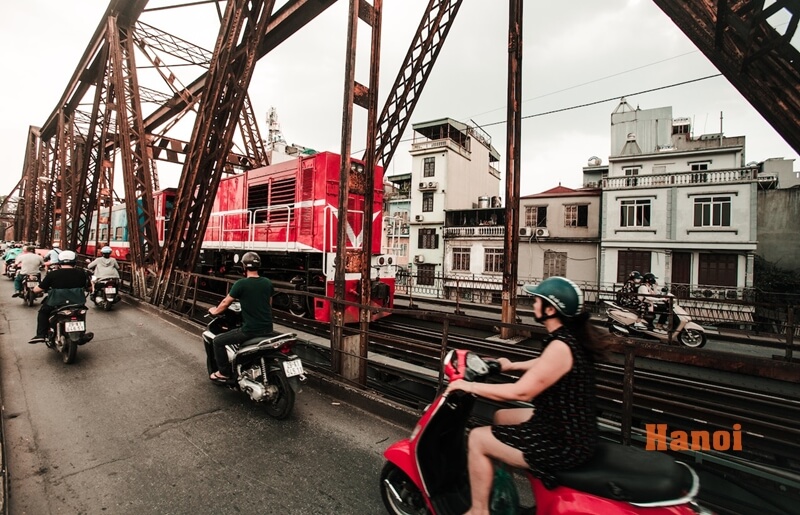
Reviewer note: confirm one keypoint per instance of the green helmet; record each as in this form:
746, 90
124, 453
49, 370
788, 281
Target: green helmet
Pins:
562, 293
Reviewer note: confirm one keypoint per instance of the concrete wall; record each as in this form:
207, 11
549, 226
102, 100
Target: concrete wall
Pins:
778, 228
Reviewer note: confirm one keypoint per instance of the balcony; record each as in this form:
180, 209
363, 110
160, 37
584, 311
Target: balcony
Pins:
734, 176
481, 231
437, 144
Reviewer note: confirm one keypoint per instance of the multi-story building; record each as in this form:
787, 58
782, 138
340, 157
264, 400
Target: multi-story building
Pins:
560, 235
679, 206
453, 166
397, 200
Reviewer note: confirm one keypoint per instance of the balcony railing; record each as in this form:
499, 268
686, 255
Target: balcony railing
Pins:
440, 143
481, 231
733, 176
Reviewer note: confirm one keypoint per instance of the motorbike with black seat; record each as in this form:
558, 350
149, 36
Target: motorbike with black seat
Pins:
106, 293
265, 368
68, 330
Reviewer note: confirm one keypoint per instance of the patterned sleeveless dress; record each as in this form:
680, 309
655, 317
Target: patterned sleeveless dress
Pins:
562, 433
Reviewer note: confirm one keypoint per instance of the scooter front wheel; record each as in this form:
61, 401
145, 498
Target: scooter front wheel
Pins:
400, 495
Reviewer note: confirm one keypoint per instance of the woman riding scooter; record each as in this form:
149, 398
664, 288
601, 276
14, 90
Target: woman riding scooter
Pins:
563, 432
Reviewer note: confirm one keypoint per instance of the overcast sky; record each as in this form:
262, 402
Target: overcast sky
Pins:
577, 54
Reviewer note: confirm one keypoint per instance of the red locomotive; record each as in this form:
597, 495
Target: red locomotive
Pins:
288, 214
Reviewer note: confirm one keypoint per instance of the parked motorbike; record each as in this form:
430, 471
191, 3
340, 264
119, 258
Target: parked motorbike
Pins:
68, 331
265, 368
625, 322
106, 293
426, 473
28, 284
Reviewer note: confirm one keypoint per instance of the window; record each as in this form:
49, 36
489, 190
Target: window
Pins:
91, 235
536, 216
428, 239
699, 166
119, 233
630, 260
555, 264
429, 167
576, 215
634, 213
426, 275
718, 269
712, 212
427, 202
461, 259
104, 234
401, 249
631, 172
493, 260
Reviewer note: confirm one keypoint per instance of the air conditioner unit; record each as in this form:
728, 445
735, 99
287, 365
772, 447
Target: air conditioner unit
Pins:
419, 218
525, 231
422, 185
431, 185
542, 232
419, 258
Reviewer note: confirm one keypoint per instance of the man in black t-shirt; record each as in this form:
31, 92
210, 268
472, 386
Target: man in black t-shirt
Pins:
64, 286
254, 293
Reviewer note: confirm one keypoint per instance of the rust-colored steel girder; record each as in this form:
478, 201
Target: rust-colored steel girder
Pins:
27, 208
221, 104
285, 22
93, 166
417, 65
513, 167
349, 356
136, 166
152, 41
761, 63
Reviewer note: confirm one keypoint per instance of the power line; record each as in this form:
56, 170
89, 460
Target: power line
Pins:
616, 97
579, 106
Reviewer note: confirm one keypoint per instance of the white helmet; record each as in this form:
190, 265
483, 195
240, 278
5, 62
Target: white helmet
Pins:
67, 257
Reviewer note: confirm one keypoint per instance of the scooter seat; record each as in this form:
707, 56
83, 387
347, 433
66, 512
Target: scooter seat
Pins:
629, 474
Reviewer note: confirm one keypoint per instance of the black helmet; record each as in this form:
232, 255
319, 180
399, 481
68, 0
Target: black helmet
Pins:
251, 261
649, 277
635, 275
562, 293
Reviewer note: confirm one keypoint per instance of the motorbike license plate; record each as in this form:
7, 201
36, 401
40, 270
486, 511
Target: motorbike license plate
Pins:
293, 368
73, 327
111, 290
32, 284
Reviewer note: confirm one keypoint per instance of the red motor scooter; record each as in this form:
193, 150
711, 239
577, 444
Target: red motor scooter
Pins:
427, 472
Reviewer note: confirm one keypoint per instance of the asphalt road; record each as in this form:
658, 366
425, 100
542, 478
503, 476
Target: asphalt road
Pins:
134, 426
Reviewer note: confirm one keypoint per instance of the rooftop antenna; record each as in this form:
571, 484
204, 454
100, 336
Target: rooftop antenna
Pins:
275, 134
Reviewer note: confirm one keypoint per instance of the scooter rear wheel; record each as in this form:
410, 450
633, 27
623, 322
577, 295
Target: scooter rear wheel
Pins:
395, 483
69, 350
282, 405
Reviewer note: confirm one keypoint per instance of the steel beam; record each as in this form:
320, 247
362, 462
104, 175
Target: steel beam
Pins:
136, 166
756, 59
417, 65
221, 104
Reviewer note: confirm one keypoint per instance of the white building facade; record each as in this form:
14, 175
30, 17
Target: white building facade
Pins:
683, 208
454, 166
